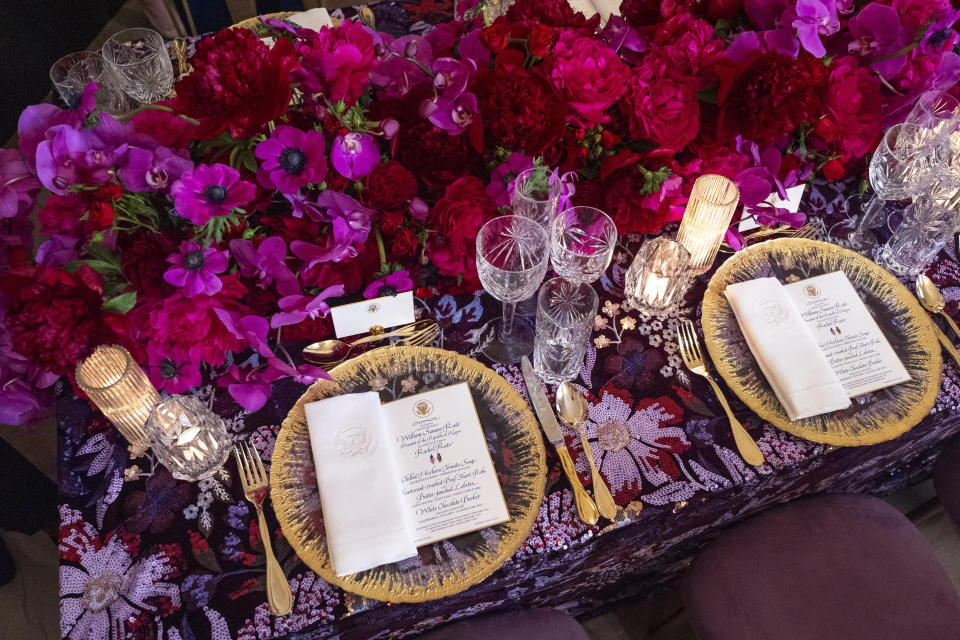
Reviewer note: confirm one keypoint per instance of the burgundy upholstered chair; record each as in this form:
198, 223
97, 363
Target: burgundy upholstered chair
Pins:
946, 479
525, 624
823, 568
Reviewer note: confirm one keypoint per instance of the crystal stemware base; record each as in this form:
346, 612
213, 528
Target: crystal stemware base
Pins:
507, 349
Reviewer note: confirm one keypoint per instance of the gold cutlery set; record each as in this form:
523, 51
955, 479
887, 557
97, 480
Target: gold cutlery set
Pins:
330, 353
932, 300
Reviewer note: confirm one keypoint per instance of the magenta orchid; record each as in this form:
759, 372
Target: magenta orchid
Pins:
291, 159
355, 155
249, 386
195, 269
266, 262
297, 308
251, 329
453, 115
210, 191
145, 170
18, 186
877, 35
70, 156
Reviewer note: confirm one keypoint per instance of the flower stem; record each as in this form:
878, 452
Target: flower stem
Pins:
157, 107
896, 54
381, 249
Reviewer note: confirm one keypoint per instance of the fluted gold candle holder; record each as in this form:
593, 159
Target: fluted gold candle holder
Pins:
712, 202
119, 388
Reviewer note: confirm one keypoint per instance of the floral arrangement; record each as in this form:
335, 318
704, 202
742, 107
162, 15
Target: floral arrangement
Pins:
347, 162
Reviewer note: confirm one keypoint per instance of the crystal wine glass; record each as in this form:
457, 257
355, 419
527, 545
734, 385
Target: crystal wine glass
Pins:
512, 258
925, 229
140, 59
583, 240
73, 72
937, 112
536, 195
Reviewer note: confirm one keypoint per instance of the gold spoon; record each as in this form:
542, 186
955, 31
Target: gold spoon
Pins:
932, 300
572, 409
328, 352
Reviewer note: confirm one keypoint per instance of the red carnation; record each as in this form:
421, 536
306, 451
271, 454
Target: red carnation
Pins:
390, 186
55, 318
237, 82
454, 222
520, 110
771, 96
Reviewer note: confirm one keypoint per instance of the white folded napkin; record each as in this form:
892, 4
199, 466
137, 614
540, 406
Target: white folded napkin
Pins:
313, 19
785, 349
364, 514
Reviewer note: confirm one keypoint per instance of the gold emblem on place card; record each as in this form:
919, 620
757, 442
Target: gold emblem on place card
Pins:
811, 291
373, 307
423, 408
354, 439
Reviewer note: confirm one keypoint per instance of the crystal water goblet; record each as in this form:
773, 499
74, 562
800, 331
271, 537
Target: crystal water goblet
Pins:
936, 112
512, 257
139, 58
536, 195
582, 243
925, 229
565, 316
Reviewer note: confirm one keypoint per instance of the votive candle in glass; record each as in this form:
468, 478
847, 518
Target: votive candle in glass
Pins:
188, 438
655, 281
712, 203
119, 388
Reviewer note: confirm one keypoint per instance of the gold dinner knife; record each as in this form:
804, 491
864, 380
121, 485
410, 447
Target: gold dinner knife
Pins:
947, 345
586, 507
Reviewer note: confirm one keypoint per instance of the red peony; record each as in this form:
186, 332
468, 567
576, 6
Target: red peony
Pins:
553, 13
434, 155
390, 186
916, 14
661, 104
853, 108
520, 110
61, 214
191, 326
588, 74
167, 128
771, 96
689, 43
237, 82
454, 223
337, 62
145, 259
55, 318
641, 13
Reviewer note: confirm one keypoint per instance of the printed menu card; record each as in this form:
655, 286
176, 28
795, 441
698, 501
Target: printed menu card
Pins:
447, 477
847, 334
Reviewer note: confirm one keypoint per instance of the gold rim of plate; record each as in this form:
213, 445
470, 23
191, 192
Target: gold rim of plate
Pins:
301, 519
887, 413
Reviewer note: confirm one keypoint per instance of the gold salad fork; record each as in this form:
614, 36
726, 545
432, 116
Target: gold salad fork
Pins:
255, 488
693, 358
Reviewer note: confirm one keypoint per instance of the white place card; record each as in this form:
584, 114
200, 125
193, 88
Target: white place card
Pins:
791, 204
446, 473
358, 317
847, 333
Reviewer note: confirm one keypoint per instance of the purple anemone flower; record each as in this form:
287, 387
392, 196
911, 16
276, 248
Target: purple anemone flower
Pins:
355, 155
876, 33
396, 282
297, 308
267, 263
940, 35
170, 372
18, 186
210, 191
453, 115
292, 159
195, 269
500, 188
146, 170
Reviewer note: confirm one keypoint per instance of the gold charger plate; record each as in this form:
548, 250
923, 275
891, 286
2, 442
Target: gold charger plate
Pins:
445, 567
874, 417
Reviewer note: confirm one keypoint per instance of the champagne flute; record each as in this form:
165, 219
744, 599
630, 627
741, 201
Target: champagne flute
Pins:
512, 256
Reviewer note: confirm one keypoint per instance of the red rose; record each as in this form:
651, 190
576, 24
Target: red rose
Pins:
55, 318
541, 39
455, 221
100, 215
495, 37
404, 245
237, 82
390, 186
771, 96
390, 222
834, 170
109, 192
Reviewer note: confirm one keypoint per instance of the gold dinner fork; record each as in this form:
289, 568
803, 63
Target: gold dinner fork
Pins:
693, 358
255, 488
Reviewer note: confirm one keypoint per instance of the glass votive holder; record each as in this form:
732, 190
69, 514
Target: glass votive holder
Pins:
708, 214
565, 317
655, 281
189, 439
120, 389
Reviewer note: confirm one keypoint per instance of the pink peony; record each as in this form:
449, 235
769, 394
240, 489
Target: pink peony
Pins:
690, 44
588, 74
661, 105
336, 62
853, 108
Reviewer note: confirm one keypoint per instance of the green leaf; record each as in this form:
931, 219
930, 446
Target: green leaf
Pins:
121, 303
103, 267
710, 95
